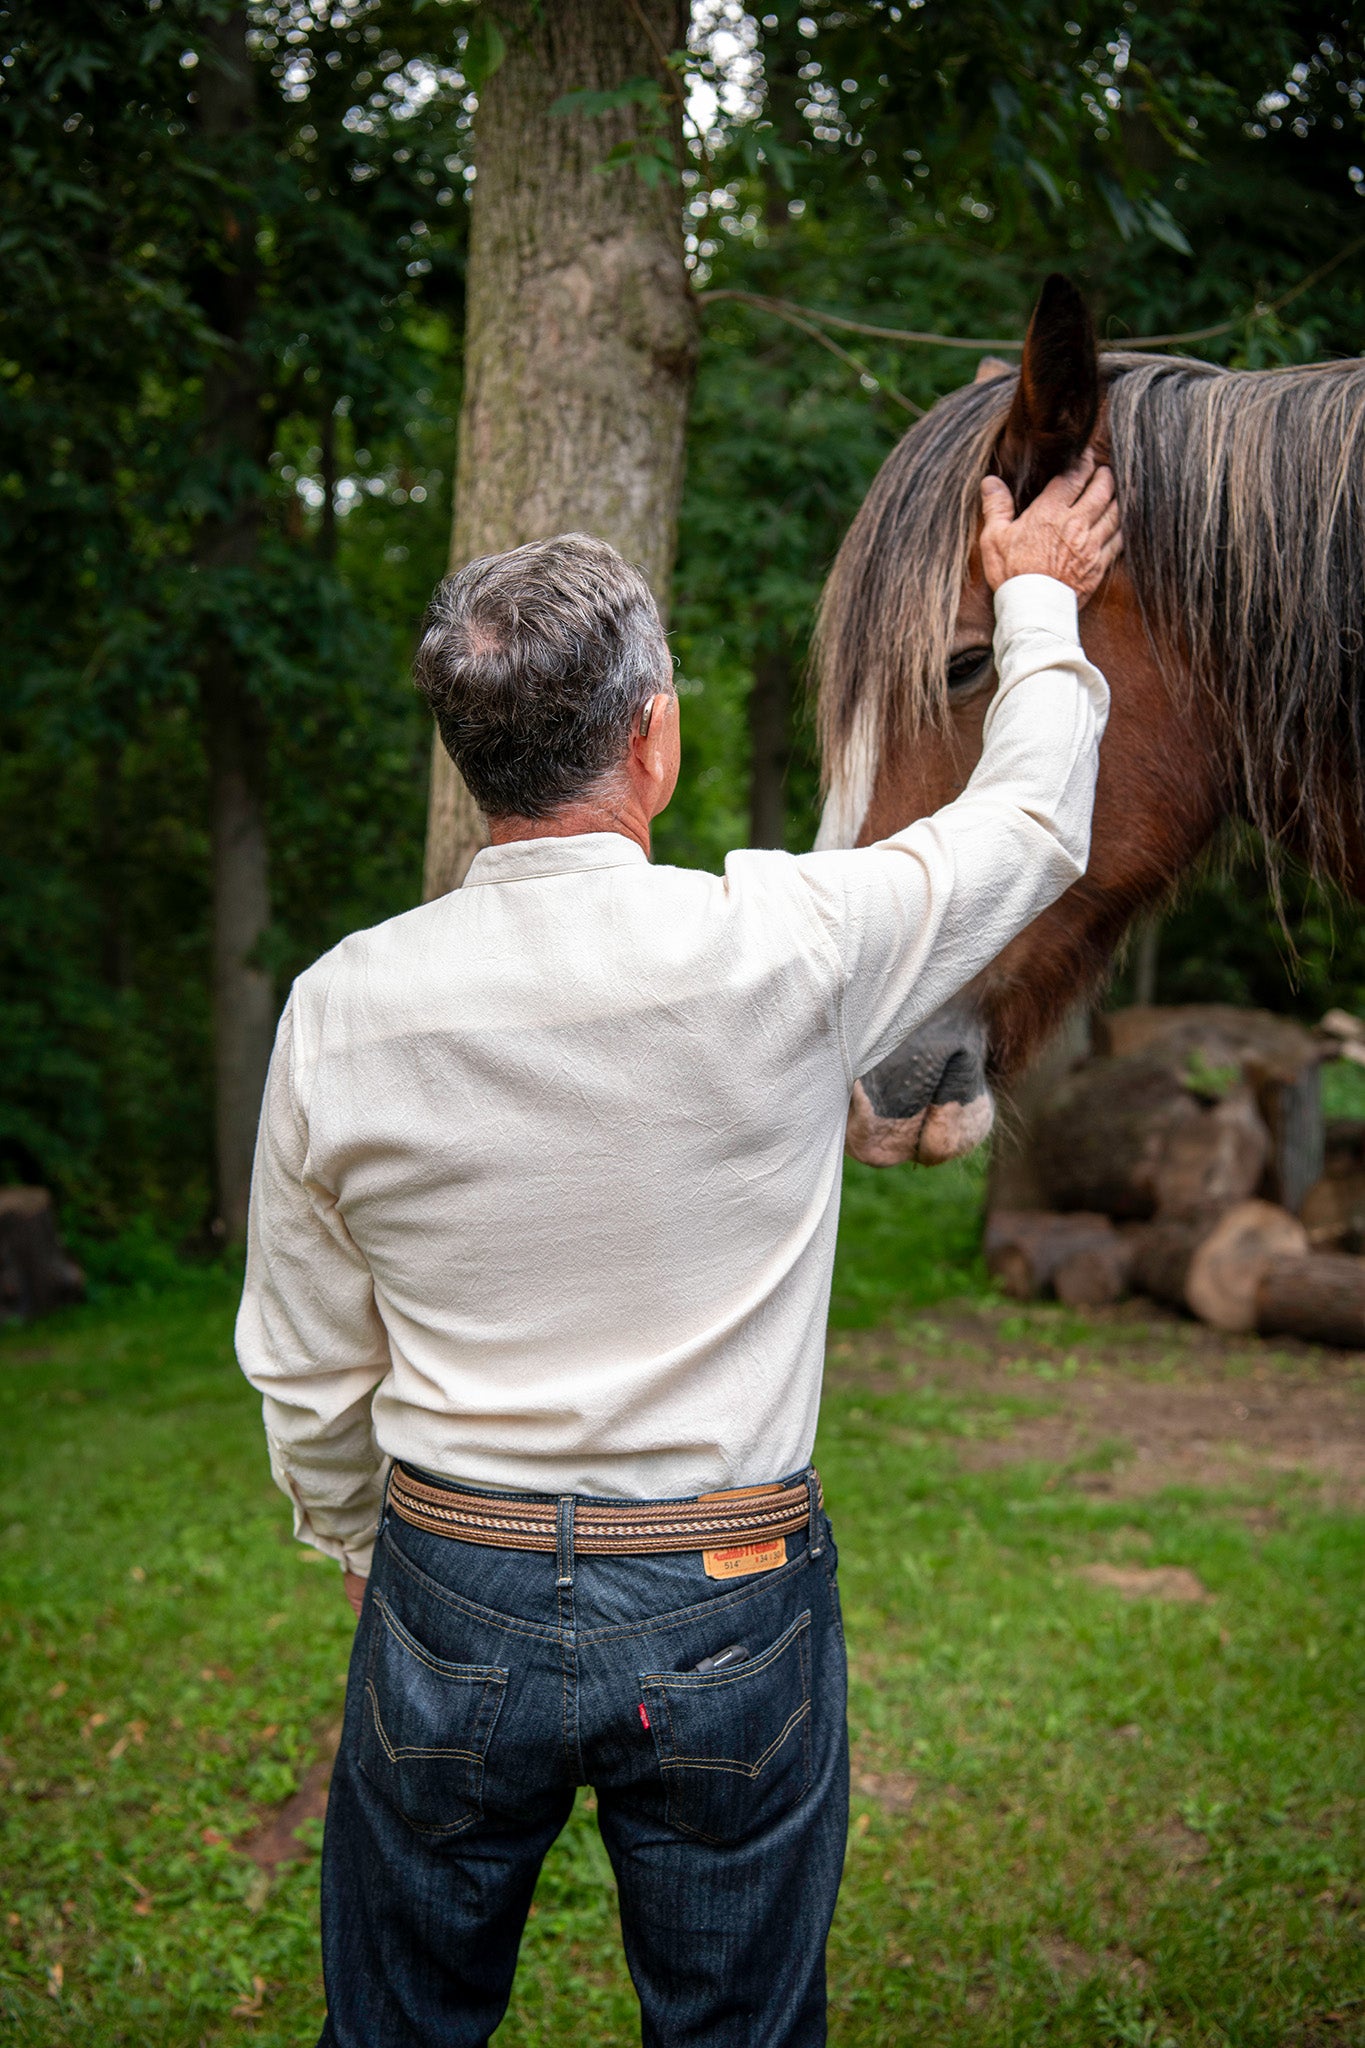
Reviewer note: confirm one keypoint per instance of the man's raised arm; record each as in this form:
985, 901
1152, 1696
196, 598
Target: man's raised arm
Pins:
916, 916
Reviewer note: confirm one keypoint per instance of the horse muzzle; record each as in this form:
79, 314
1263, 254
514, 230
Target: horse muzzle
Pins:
928, 1101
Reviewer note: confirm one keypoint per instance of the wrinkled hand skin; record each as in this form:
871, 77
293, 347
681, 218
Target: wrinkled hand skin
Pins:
1070, 531
355, 1591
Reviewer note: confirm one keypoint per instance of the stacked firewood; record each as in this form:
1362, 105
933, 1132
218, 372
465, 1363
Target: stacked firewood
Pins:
1187, 1160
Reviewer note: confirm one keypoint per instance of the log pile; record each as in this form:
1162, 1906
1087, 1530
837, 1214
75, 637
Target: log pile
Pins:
1187, 1160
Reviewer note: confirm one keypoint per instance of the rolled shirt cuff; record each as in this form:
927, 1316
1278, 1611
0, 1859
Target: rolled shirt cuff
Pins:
1035, 604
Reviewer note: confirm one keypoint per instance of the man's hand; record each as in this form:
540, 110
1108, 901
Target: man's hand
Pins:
355, 1591
1070, 531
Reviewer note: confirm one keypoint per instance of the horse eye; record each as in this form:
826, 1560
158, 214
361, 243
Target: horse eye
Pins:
967, 667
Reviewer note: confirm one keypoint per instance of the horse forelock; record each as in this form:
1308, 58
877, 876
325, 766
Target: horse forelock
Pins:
1243, 501
886, 617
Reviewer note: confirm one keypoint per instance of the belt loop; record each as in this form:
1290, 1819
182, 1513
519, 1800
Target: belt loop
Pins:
817, 1539
564, 1540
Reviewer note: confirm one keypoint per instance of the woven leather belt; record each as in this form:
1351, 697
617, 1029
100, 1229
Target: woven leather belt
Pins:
719, 1521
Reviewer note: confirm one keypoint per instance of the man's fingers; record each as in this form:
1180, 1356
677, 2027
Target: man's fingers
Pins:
1108, 521
1078, 477
1098, 492
997, 502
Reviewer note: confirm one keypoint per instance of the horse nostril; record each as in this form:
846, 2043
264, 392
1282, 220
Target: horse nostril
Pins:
961, 1079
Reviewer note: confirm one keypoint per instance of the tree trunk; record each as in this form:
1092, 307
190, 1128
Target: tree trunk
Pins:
770, 701
1320, 1296
36, 1274
243, 990
236, 443
580, 329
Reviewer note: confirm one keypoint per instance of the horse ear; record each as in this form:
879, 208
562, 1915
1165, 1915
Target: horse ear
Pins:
1057, 398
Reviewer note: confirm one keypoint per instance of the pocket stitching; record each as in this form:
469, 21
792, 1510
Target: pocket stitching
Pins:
402, 1750
704, 1681
664, 1687
493, 1680
733, 1764
491, 1674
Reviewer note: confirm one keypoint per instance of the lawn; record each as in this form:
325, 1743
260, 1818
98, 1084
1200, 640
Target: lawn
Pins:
1103, 1591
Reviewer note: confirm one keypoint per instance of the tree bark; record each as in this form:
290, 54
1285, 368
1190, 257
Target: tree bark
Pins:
1320, 1296
234, 448
580, 327
770, 702
36, 1275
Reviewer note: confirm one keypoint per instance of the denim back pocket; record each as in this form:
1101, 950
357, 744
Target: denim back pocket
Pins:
426, 1727
734, 1746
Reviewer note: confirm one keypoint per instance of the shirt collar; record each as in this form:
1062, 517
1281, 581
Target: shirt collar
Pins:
528, 860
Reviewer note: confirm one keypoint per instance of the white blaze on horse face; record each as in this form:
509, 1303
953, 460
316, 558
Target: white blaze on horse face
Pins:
850, 789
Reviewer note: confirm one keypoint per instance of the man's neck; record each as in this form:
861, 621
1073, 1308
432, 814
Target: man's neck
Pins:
615, 811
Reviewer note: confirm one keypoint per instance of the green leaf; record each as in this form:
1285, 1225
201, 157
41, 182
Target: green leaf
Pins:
590, 101
1167, 230
1043, 179
483, 51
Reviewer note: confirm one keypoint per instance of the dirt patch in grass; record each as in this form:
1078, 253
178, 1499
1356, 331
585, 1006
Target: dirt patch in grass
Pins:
891, 1791
1132, 1402
275, 1840
1137, 1582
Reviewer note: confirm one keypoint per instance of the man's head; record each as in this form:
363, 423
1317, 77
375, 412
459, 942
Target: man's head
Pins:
538, 666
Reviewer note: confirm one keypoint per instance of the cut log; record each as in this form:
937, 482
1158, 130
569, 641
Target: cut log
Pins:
1025, 1247
36, 1274
1217, 1158
1277, 1058
1333, 1213
1219, 1031
1343, 1146
1095, 1276
1225, 1271
1213, 1265
1129, 1137
1161, 1254
1320, 1296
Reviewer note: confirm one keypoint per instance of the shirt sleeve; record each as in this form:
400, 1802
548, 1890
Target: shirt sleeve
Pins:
916, 916
309, 1336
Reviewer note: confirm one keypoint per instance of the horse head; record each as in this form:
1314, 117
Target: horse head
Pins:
1197, 731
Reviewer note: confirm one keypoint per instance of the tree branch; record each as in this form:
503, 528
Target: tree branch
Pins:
801, 316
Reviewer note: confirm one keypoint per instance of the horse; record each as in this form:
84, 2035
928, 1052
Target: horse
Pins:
1231, 631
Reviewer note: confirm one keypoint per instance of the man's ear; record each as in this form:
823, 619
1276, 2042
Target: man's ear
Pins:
1057, 398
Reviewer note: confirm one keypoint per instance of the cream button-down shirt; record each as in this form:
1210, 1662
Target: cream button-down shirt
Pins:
547, 1180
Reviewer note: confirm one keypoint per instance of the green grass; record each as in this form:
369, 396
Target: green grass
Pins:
1130, 1824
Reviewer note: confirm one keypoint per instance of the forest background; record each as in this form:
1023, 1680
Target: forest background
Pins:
207, 305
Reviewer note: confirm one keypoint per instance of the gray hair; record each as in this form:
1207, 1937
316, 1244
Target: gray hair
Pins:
536, 664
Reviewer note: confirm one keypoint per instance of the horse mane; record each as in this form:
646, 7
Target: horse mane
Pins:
1243, 500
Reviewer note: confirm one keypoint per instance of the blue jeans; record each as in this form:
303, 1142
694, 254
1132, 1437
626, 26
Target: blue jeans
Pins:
482, 1693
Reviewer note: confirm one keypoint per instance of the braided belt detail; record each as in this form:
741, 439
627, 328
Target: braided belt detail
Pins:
720, 1523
